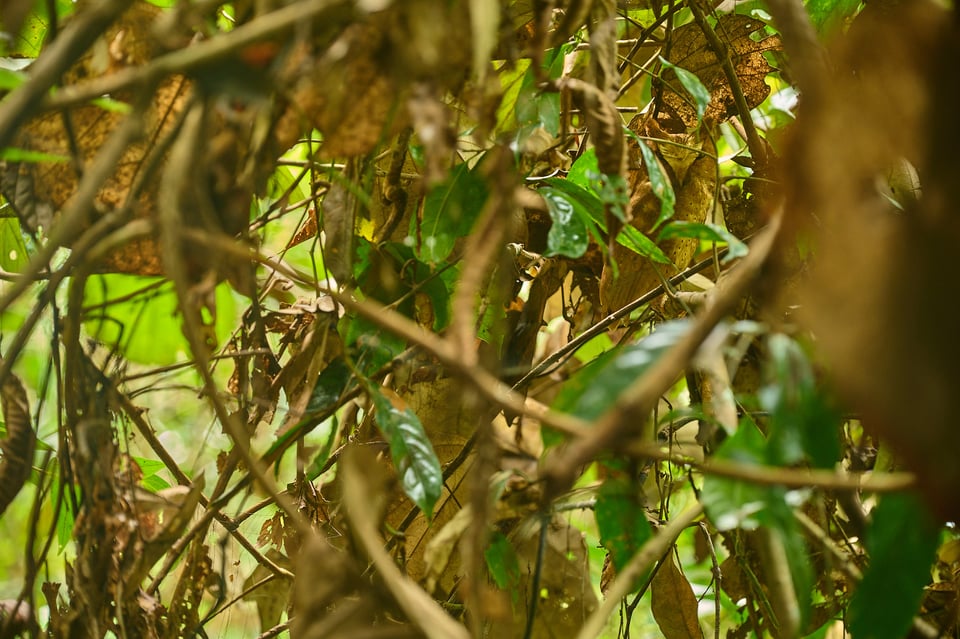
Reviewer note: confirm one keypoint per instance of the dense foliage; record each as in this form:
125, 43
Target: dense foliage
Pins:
506, 318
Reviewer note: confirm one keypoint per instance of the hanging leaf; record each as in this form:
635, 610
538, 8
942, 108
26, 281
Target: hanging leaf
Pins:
693, 85
568, 234
902, 542
595, 388
449, 212
673, 603
621, 520
502, 562
18, 446
659, 183
803, 422
705, 232
410, 449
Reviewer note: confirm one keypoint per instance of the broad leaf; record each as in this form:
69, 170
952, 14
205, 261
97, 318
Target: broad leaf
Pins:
659, 183
449, 212
621, 520
693, 85
901, 541
673, 603
804, 424
568, 233
502, 562
590, 209
595, 388
411, 450
705, 232
140, 315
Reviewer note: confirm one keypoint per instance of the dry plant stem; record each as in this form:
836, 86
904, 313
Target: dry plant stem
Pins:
637, 402
363, 504
777, 476
494, 390
757, 149
275, 23
70, 44
638, 564
170, 218
231, 525
779, 582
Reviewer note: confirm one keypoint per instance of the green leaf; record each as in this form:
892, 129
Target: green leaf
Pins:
149, 467
659, 182
111, 105
502, 562
154, 483
12, 154
693, 85
804, 424
11, 79
593, 389
449, 211
705, 232
419, 277
331, 384
13, 250
901, 542
829, 15
568, 234
584, 169
141, 316
733, 503
621, 520
589, 207
370, 346
410, 449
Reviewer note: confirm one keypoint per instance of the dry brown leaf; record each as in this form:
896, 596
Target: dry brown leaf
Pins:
691, 51
271, 598
673, 603
18, 446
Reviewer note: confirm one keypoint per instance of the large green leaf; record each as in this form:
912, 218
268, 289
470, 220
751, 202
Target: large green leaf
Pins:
621, 520
411, 450
502, 562
141, 316
732, 503
568, 232
13, 250
901, 542
589, 207
830, 15
449, 211
595, 388
804, 424
705, 232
